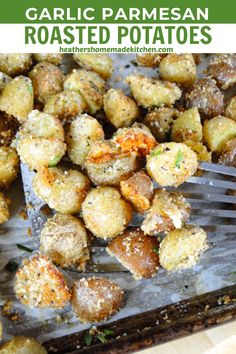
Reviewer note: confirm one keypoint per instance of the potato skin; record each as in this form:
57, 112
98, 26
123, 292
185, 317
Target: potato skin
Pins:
8, 129
171, 164
150, 92
222, 68
4, 80
96, 299
138, 189
65, 105
217, 131
64, 240
136, 252
63, 191
81, 133
106, 214
53, 58
230, 110
228, 154
178, 68
4, 210
120, 109
181, 248
206, 97
150, 60
100, 63
22, 345
47, 80
89, 85
187, 126
9, 166
17, 98
15, 63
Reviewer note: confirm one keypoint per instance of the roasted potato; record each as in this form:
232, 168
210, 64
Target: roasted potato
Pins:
151, 93
22, 345
100, 63
179, 68
138, 189
201, 151
4, 208
8, 128
150, 60
106, 214
171, 164
53, 58
89, 85
47, 80
81, 133
17, 98
181, 248
65, 105
15, 63
40, 140
64, 240
169, 211
39, 283
230, 110
96, 299
222, 68
159, 122
228, 154
107, 164
206, 97
217, 131
136, 252
4, 80
187, 126
120, 109
9, 166
63, 191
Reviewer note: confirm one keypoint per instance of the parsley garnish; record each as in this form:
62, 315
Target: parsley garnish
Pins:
179, 158
156, 153
24, 248
12, 266
156, 250
88, 339
54, 162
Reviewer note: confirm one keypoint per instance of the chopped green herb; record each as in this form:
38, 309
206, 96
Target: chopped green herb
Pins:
156, 250
88, 339
108, 332
30, 89
156, 153
24, 248
54, 162
179, 158
134, 62
102, 338
12, 266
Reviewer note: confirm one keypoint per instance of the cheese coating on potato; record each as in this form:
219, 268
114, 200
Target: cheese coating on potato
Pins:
228, 154
22, 345
182, 248
39, 283
100, 63
171, 164
96, 299
4, 208
106, 214
4, 80
150, 60
187, 126
53, 58
201, 151
15, 63
9, 166
230, 110
81, 133
222, 68
151, 92
169, 210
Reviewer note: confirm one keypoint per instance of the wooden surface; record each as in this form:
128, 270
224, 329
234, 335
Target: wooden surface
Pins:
220, 339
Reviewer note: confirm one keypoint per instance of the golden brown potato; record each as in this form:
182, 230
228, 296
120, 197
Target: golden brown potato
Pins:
47, 80
65, 105
138, 189
228, 154
8, 128
53, 58
82, 132
106, 214
9, 166
150, 60
187, 126
4, 210
4, 80
222, 68
40, 284
63, 191
89, 85
179, 68
201, 151
100, 63
159, 122
230, 110
171, 164
107, 164
96, 299
206, 97
64, 240
17, 98
217, 131
15, 63
22, 345
182, 248
120, 109
40, 141
151, 93
169, 211
137, 138
136, 252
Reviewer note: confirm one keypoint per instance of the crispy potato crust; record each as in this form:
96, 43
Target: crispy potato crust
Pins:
15, 63
222, 68
100, 63
4, 210
228, 155
22, 345
9, 166
53, 58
